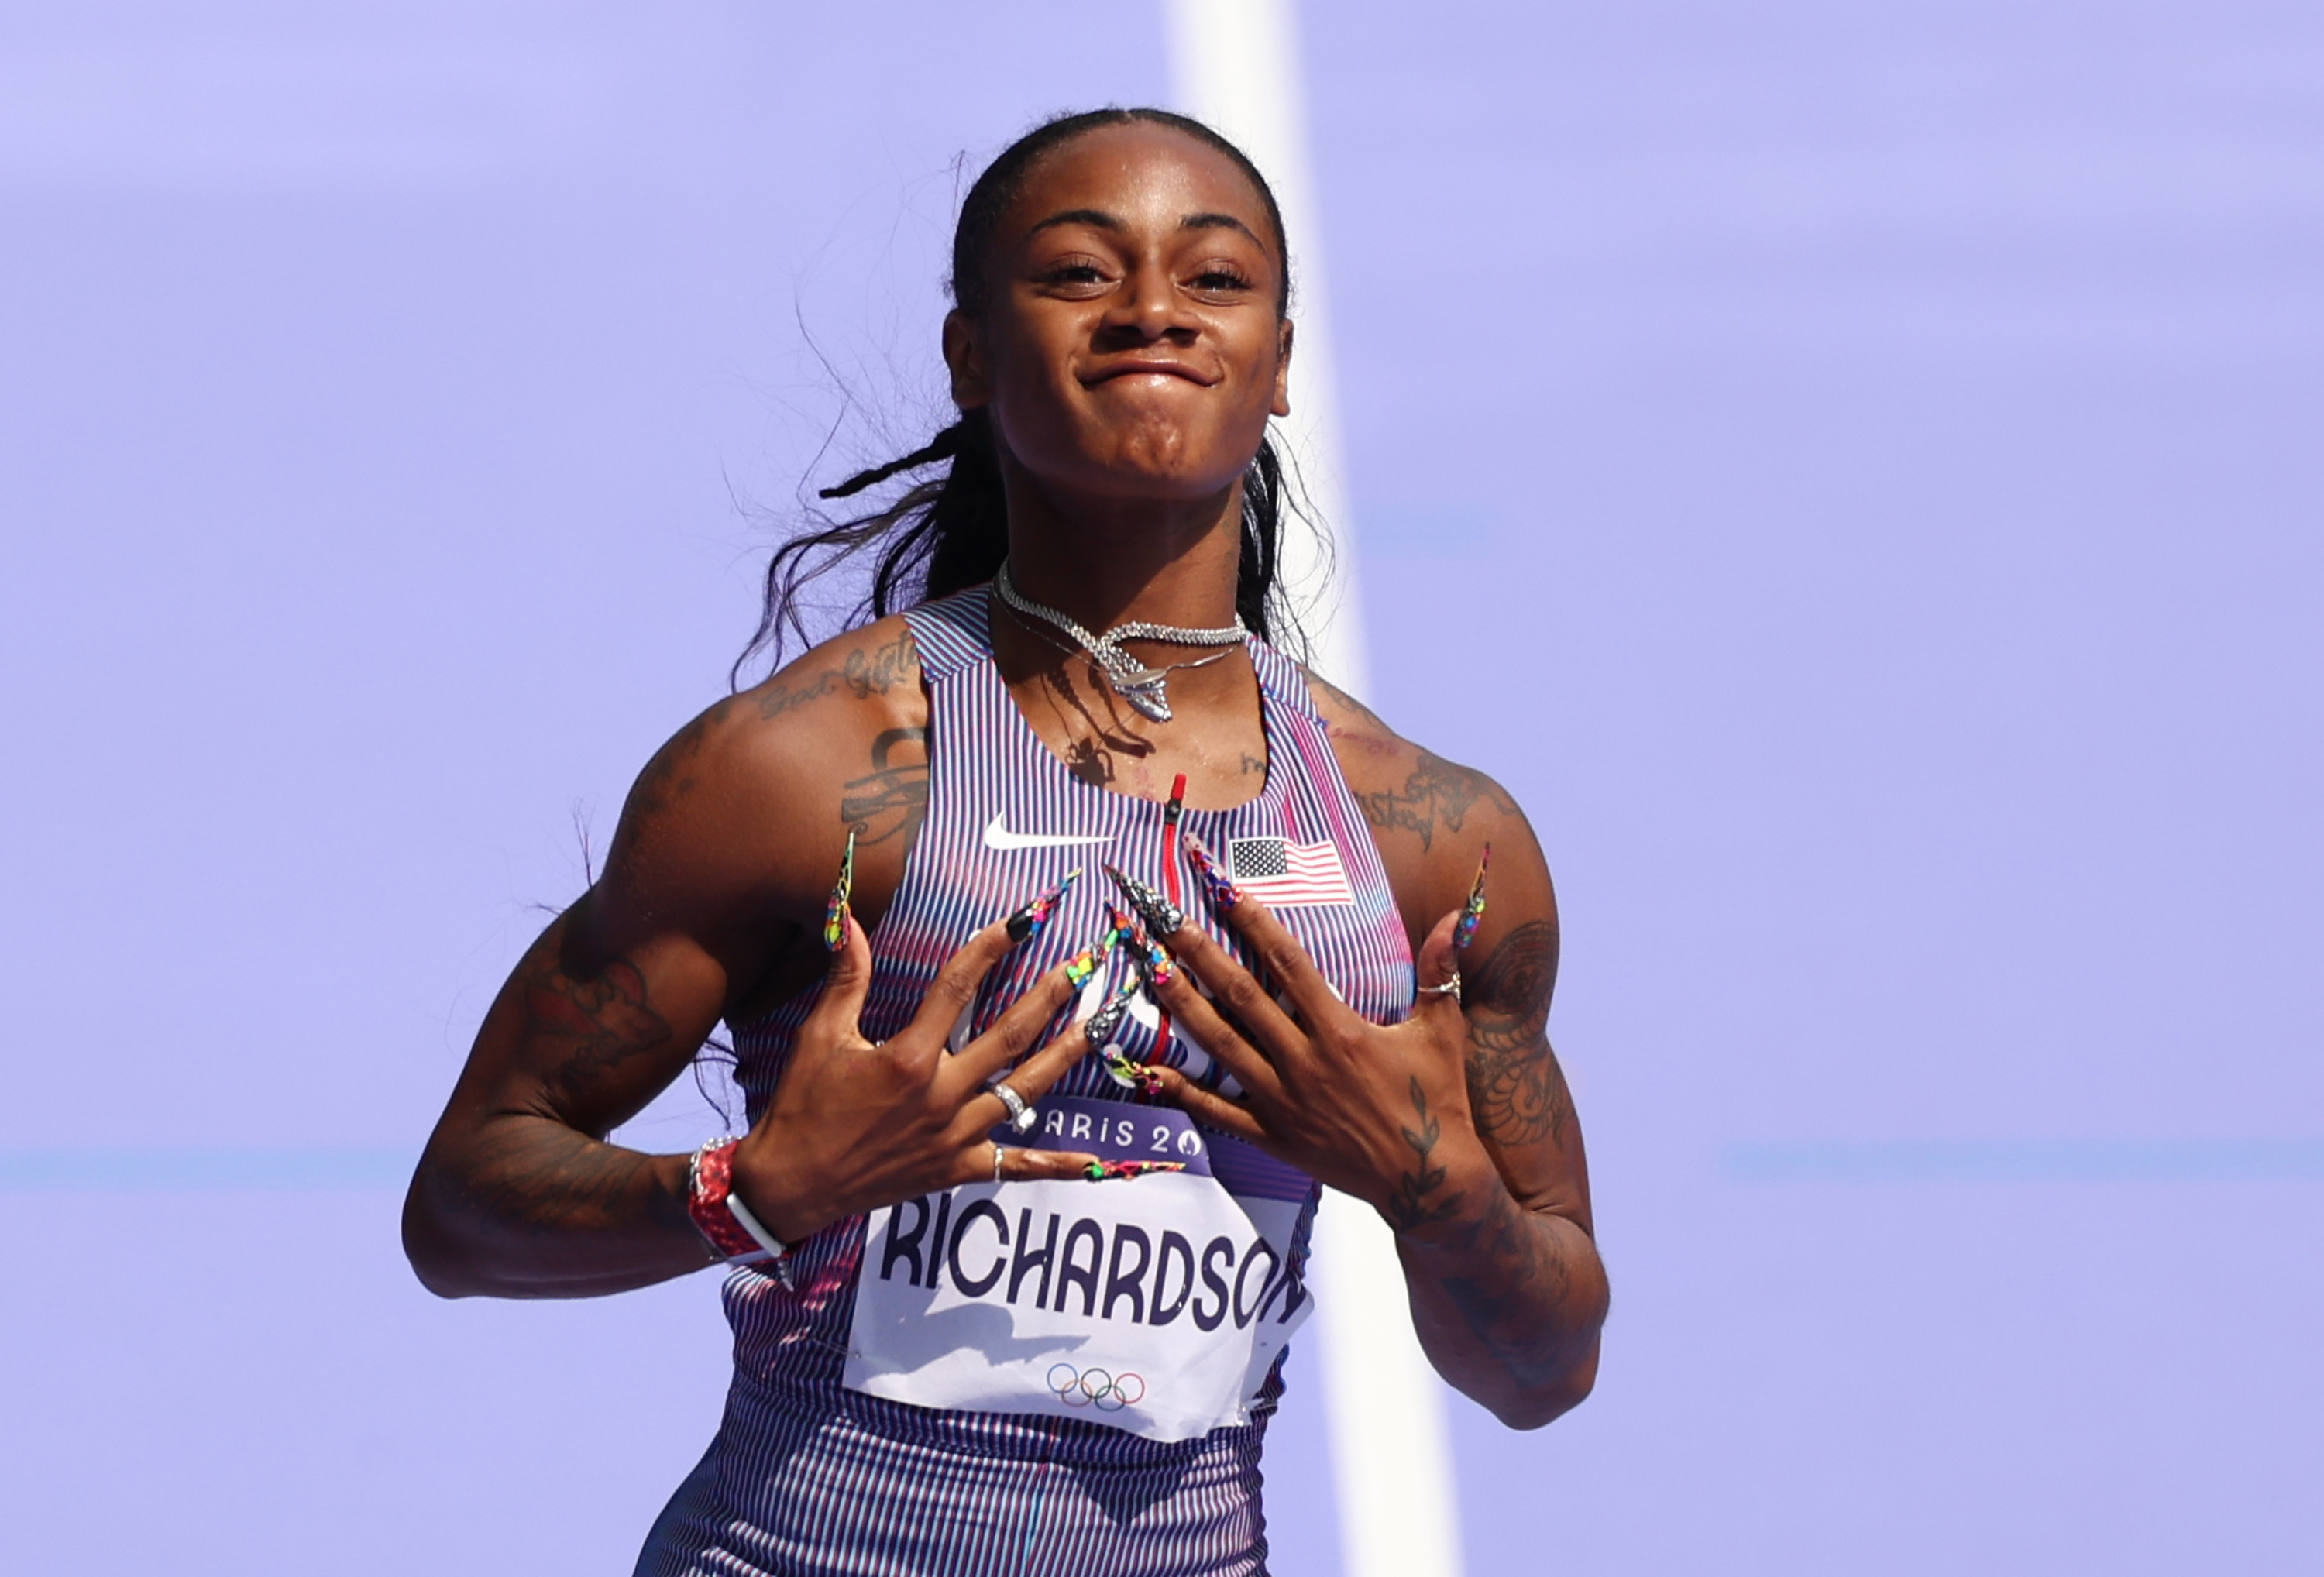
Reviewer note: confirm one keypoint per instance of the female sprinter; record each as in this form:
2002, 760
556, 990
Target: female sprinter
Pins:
1142, 933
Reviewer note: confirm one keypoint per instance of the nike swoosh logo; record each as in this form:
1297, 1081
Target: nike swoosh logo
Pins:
996, 837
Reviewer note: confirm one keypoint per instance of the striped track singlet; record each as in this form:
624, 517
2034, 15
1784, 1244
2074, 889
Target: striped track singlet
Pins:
808, 1479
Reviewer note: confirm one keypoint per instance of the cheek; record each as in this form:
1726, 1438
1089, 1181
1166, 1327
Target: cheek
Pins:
1029, 379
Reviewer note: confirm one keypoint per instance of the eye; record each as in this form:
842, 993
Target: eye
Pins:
1074, 276
1218, 279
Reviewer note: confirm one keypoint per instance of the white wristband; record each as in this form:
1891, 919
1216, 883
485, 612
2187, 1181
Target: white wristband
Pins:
778, 1253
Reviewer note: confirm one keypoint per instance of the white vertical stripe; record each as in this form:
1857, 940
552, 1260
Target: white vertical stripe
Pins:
1236, 65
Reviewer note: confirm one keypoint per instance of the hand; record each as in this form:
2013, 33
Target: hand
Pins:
855, 1126
1380, 1113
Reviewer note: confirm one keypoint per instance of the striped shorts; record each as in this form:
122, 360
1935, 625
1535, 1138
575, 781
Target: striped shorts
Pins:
836, 1484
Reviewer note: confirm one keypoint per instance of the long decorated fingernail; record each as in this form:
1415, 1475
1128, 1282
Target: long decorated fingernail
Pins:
1155, 963
1099, 1171
835, 913
1474, 909
1121, 927
1101, 1025
1028, 922
1083, 964
1224, 894
1133, 1075
1161, 915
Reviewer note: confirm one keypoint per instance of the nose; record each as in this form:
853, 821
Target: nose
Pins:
1147, 311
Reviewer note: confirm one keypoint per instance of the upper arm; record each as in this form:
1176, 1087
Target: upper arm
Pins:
613, 999
714, 880
1432, 820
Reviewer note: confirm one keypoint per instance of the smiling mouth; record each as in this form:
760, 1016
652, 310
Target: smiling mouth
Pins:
1133, 369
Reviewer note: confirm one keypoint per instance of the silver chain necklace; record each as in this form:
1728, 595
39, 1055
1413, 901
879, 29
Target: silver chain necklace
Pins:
1142, 686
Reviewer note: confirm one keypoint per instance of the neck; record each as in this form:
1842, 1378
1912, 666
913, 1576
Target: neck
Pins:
1106, 561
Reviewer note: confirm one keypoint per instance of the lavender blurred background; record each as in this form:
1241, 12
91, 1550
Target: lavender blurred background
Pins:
1839, 465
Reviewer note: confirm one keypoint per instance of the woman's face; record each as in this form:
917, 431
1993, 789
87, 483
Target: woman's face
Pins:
1131, 347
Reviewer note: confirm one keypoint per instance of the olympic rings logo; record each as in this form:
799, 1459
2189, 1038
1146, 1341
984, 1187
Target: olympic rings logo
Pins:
1095, 1388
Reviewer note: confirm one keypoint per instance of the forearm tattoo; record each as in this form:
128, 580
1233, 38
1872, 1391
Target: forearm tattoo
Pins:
547, 1167
535, 1175
1503, 1306
1416, 1201
1520, 1274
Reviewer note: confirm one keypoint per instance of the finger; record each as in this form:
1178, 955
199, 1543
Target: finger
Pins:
838, 1012
1437, 968
1286, 963
1032, 1078
1194, 1015
1018, 1165
1208, 1106
1236, 990
1008, 1037
954, 987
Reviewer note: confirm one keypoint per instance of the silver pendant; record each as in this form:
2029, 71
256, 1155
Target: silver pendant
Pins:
1144, 689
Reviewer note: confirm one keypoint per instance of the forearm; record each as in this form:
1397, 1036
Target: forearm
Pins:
1508, 1302
525, 1206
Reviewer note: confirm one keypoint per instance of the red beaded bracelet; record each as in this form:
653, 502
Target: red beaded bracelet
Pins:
723, 1219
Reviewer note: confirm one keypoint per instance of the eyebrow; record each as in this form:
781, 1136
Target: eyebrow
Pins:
1099, 219
1216, 221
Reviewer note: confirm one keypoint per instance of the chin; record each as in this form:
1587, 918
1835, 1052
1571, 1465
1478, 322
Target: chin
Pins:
1152, 455
1165, 459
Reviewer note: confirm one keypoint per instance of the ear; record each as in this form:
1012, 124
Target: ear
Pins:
963, 353
1282, 406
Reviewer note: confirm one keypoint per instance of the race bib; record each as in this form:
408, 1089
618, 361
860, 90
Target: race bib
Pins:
1156, 1304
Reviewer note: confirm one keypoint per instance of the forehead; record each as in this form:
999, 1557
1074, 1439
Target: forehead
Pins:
1143, 172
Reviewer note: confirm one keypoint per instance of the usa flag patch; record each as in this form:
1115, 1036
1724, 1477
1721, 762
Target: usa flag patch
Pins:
1278, 871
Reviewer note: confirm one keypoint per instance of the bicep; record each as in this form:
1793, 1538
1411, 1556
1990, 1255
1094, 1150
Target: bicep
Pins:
1517, 1093
614, 999
587, 1033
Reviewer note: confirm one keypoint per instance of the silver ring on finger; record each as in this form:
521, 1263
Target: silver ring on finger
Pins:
1021, 1117
1450, 988
998, 1155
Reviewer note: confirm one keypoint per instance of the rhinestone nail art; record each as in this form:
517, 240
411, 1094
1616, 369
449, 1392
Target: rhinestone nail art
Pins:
1101, 1025
1030, 921
1225, 893
1474, 909
1161, 915
835, 913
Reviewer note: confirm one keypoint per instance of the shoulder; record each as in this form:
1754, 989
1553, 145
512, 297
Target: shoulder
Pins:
759, 790
1432, 818
1406, 790
860, 676
797, 731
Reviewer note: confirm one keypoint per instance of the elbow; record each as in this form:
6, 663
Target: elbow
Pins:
429, 1244
1550, 1397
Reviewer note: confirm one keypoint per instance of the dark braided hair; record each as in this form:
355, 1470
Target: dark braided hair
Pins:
950, 532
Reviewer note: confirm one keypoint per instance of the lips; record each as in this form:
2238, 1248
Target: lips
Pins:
1136, 367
